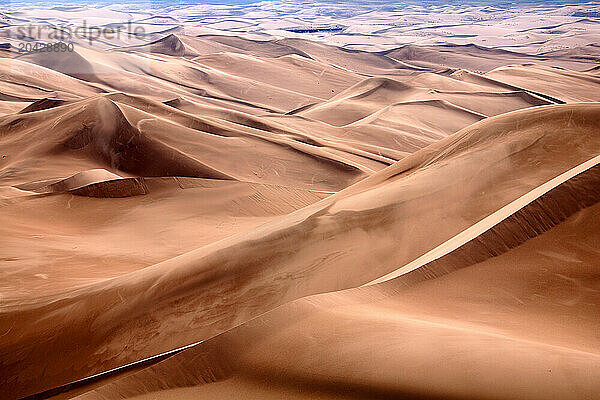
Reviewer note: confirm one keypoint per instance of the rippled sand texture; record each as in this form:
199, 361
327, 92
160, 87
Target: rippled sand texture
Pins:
403, 209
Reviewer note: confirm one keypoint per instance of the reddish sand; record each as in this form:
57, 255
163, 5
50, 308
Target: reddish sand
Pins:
419, 222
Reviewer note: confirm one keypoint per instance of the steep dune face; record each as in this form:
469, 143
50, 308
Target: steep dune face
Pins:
415, 114
98, 131
268, 152
35, 82
42, 104
461, 179
373, 94
491, 103
566, 85
170, 45
81, 179
73, 64
165, 142
594, 71
359, 101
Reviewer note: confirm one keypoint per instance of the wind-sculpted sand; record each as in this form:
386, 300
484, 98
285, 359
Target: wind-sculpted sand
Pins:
308, 212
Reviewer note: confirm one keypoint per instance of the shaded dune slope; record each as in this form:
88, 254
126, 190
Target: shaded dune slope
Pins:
98, 130
92, 183
43, 104
566, 85
193, 145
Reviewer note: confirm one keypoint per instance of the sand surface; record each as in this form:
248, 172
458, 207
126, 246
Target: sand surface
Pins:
332, 202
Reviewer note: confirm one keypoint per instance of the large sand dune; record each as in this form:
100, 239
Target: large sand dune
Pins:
401, 206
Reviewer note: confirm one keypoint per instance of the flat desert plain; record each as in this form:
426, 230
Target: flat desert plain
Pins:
300, 200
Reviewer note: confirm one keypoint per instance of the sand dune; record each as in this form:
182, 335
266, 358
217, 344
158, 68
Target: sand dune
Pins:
481, 59
364, 210
396, 326
169, 45
382, 203
566, 85
98, 131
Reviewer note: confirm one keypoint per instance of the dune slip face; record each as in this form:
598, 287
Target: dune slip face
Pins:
299, 200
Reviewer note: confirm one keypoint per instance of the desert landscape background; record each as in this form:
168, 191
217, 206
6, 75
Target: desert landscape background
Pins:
300, 200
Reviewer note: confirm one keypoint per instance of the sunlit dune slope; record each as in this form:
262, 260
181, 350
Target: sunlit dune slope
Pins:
459, 335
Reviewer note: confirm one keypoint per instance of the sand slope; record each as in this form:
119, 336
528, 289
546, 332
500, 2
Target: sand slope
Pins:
358, 343
271, 261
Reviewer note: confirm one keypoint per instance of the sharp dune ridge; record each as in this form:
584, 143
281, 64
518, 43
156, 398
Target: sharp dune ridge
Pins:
402, 206
570, 192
